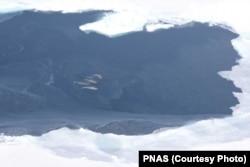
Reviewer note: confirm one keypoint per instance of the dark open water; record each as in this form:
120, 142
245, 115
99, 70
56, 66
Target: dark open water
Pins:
54, 75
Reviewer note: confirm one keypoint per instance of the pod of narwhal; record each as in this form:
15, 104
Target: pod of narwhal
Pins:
90, 82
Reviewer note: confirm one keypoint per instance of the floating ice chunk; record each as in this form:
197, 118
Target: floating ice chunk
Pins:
116, 24
154, 27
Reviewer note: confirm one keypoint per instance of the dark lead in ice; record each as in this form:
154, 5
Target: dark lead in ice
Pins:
49, 66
